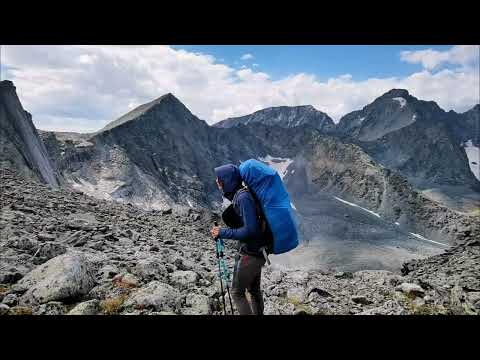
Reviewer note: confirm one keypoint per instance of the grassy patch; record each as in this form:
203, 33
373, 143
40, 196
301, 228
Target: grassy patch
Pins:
112, 306
20, 310
475, 212
298, 304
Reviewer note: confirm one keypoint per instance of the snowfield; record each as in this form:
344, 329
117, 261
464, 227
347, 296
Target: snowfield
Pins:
473, 155
279, 164
401, 100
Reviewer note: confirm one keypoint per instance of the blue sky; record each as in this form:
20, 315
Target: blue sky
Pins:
83, 87
325, 61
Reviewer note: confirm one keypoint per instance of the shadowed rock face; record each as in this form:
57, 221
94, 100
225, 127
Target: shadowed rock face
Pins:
284, 116
20, 145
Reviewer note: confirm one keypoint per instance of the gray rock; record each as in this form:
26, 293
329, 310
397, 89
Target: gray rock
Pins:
10, 300
90, 307
344, 275
51, 308
46, 237
184, 278
49, 250
197, 305
359, 299
4, 308
108, 272
127, 280
410, 289
150, 269
63, 277
157, 296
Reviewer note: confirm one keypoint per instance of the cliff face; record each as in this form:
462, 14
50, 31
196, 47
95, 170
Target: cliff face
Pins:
20, 144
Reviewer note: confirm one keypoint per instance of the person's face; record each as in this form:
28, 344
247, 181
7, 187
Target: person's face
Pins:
219, 184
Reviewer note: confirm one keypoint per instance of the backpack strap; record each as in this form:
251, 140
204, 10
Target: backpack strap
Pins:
265, 228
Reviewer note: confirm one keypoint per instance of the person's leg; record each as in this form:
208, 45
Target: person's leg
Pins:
240, 284
255, 287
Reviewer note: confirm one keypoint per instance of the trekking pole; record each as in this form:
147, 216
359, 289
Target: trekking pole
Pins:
225, 272
220, 273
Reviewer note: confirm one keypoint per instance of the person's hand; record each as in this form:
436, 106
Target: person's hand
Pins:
215, 231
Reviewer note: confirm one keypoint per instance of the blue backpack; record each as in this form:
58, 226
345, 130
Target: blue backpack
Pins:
267, 188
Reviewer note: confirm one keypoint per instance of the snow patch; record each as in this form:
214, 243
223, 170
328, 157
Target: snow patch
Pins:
355, 205
189, 203
279, 164
425, 239
101, 190
293, 206
361, 119
473, 155
397, 223
401, 100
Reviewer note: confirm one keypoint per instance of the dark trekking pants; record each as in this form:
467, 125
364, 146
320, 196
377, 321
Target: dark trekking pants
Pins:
247, 276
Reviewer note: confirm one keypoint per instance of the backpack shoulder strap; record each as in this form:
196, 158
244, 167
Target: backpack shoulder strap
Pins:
235, 197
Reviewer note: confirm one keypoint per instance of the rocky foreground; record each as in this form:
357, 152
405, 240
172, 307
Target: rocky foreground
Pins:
63, 252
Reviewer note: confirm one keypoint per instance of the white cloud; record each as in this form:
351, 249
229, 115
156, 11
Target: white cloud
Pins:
255, 64
247, 57
84, 87
465, 55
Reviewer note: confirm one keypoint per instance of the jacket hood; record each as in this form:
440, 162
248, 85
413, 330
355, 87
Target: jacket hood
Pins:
229, 175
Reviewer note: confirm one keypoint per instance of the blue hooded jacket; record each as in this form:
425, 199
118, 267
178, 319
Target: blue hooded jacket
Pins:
250, 234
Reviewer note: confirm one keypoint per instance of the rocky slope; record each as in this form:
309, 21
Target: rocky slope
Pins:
284, 116
63, 252
20, 145
347, 171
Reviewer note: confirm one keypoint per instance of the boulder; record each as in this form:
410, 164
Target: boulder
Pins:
4, 309
156, 295
10, 299
184, 278
410, 289
150, 269
197, 305
90, 307
51, 308
64, 277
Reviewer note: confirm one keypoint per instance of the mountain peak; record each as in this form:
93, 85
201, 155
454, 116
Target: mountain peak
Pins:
396, 93
168, 99
6, 84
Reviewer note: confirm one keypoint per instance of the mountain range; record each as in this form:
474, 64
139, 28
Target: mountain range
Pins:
389, 182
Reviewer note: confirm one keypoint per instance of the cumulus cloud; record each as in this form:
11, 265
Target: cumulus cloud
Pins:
247, 57
81, 88
465, 55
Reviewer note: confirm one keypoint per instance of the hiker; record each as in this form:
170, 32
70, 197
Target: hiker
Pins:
249, 259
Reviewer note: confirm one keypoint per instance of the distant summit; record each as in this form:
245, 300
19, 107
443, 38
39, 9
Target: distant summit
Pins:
284, 116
